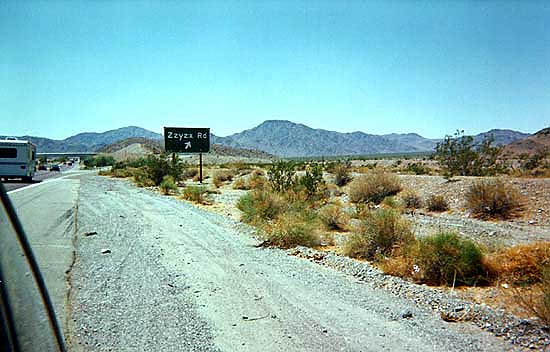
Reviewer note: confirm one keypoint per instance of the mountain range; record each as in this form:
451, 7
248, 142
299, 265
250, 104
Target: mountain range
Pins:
277, 137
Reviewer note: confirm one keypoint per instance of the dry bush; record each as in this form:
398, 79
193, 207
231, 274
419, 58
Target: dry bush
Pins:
257, 181
518, 264
333, 217
437, 202
293, 229
240, 183
190, 173
342, 173
382, 233
446, 258
374, 187
260, 206
197, 194
494, 199
399, 265
222, 176
411, 199
538, 302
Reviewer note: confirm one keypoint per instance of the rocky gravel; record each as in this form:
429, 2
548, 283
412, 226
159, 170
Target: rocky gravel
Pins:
522, 333
160, 274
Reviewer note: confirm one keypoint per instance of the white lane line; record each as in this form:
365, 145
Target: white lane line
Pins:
46, 181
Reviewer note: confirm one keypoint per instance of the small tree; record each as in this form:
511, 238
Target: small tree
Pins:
282, 176
313, 179
458, 155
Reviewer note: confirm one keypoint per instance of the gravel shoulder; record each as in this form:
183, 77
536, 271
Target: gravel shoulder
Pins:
174, 277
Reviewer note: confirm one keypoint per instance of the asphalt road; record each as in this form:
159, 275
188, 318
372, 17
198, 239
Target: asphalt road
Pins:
155, 273
47, 211
39, 176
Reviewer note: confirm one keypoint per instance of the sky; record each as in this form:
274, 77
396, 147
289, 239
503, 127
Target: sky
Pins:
377, 67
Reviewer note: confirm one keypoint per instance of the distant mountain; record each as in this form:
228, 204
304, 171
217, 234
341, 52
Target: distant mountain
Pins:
275, 137
90, 141
538, 142
501, 137
289, 139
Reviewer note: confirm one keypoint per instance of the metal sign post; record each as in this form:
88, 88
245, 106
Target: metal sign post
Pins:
187, 140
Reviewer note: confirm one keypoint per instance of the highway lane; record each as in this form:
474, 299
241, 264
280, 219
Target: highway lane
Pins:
47, 211
39, 176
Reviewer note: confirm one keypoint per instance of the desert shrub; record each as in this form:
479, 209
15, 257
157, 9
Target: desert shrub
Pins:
446, 258
459, 155
333, 217
521, 264
380, 234
312, 180
534, 161
417, 169
222, 176
197, 194
190, 172
121, 173
257, 180
437, 202
342, 173
168, 185
158, 166
282, 176
96, 161
240, 183
374, 187
293, 229
392, 203
493, 199
141, 178
411, 199
538, 303
259, 206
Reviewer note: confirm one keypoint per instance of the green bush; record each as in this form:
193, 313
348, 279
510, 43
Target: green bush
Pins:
259, 206
168, 185
141, 178
99, 161
380, 233
446, 258
374, 187
493, 199
282, 176
158, 166
197, 194
293, 229
312, 180
459, 155
437, 202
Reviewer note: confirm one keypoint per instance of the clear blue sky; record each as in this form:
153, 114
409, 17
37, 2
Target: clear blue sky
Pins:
377, 67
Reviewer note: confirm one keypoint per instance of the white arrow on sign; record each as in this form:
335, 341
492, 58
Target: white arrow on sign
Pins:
187, 145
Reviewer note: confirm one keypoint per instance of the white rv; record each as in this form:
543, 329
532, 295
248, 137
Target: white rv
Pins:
17, 159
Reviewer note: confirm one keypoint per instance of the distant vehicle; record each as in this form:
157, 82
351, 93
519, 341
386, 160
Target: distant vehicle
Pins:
55, 168
17, 159
42, 167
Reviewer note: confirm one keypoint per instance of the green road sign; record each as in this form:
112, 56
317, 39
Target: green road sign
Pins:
186, 140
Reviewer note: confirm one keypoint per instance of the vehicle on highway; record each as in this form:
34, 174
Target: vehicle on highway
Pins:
42, 167
55, 168
27, 319
17, 159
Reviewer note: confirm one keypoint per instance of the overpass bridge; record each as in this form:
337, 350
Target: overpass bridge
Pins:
67, 154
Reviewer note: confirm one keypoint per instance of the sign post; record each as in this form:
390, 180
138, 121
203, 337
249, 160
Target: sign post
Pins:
187, 140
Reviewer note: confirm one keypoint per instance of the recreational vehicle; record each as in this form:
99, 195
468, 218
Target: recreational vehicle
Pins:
17, 159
